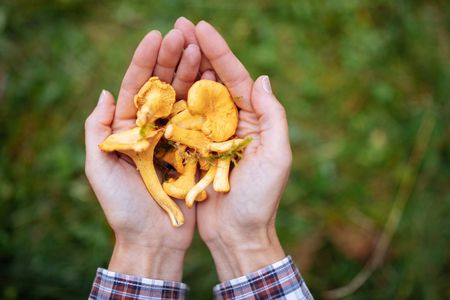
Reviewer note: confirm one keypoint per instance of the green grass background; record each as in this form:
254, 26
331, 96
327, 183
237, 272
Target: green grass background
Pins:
356, 78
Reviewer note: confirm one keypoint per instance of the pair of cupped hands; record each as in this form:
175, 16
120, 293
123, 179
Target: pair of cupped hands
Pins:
238, 227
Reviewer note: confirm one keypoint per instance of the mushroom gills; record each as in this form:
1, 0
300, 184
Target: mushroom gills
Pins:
132, 139
154, 100
213, 101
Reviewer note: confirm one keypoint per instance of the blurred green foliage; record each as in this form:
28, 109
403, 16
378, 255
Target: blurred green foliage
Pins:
356, 78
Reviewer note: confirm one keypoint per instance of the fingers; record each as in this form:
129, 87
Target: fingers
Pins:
169, 55
210, 75
187, 71
227, 67
140, 69
272, 119
188, 29
98, 127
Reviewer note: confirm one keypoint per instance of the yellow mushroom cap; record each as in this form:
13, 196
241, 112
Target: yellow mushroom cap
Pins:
213, 101
153, 101
185, 119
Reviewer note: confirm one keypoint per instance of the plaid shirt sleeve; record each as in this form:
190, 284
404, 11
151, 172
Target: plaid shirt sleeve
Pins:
281, 280
110, 285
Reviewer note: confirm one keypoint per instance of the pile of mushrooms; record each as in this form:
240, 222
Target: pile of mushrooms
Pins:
183, 136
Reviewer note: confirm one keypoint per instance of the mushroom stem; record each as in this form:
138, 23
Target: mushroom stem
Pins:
191, 138
221, 182
144, 163
225, 146
200, 186
178, 188
144, 114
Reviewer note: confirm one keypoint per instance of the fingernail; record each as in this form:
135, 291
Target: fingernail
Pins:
102, 97
182, 18
191, 46
266, 84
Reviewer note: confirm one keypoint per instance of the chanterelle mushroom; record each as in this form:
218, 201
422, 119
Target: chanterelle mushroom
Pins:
191, 138
198, 141
178, 188
213, 101
153, 101
134, 139
144, 163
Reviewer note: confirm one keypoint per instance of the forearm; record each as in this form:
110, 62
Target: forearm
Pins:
149, 262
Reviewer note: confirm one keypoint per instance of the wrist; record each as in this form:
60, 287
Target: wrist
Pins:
147, 261
245, 253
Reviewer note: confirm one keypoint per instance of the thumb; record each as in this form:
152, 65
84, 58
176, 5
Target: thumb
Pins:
98, 127
272, 119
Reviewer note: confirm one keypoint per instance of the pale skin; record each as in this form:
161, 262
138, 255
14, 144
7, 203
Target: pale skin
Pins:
238, 227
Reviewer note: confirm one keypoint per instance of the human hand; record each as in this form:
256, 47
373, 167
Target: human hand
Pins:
239, 227
146, 242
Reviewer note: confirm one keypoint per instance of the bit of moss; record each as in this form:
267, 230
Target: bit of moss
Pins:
233, 153
237, 99
144, 130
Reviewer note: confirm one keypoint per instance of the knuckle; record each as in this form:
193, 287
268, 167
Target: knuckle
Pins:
280, 111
